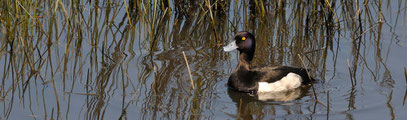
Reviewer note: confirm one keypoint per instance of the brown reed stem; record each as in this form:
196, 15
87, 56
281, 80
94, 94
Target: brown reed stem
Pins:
189, 70
405, 74
309, 76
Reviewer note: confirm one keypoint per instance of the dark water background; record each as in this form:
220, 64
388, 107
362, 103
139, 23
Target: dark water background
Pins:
123, 60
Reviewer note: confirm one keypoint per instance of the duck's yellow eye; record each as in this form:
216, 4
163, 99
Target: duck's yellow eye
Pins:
243, 38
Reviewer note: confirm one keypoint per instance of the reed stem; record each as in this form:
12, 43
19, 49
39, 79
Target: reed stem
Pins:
189, 70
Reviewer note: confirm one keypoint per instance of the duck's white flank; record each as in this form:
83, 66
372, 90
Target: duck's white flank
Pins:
291, 81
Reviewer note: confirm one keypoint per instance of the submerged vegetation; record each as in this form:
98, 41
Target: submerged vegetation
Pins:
105, 59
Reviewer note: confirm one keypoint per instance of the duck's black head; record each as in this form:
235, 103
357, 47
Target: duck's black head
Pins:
244, 42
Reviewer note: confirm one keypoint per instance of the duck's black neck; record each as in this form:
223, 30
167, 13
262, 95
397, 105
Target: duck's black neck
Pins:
244, 60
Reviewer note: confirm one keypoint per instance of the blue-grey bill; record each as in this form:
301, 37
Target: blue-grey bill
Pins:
231, 46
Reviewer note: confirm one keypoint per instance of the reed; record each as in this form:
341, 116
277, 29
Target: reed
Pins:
405, 93
405, 74
189, 70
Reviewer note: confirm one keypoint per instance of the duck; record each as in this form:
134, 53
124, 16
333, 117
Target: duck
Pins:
261, 79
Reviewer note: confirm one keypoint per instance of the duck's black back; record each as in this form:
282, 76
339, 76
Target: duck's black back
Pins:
247, 80
272, 74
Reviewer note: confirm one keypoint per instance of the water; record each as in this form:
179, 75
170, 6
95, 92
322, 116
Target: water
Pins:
101, 66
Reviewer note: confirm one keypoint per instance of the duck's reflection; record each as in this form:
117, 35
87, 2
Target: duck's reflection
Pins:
283, 96
249, 105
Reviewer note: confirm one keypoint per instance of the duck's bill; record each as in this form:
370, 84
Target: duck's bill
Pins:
231, 46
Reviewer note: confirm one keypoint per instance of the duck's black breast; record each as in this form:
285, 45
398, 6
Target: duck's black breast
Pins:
243, 80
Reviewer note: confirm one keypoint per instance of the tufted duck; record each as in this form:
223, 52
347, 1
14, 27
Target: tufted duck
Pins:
261, 79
